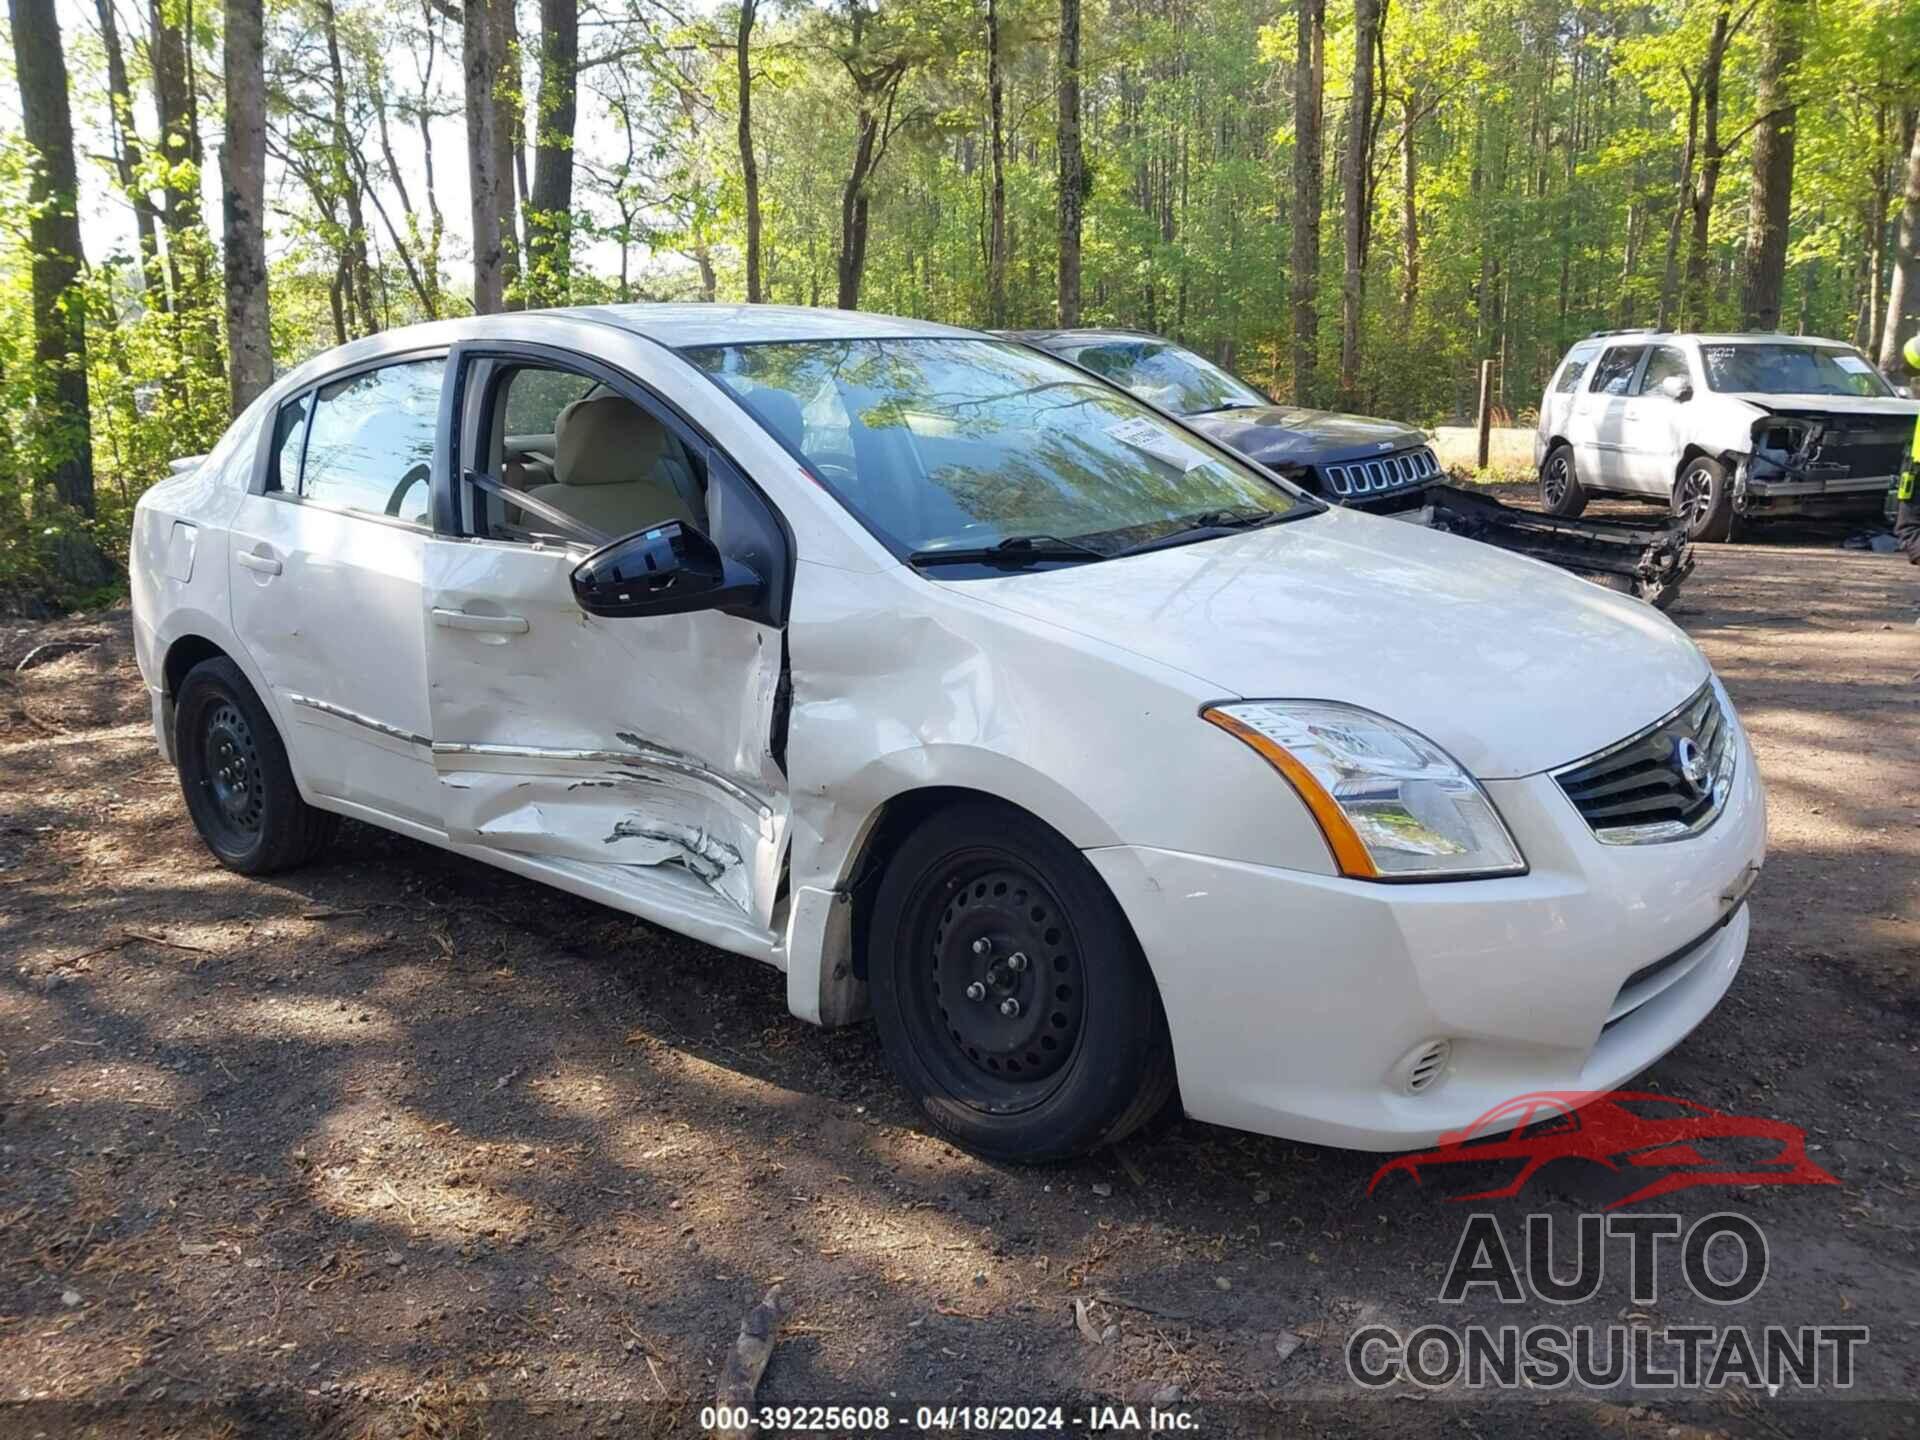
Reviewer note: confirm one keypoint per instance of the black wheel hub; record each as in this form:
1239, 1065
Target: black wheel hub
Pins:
1005, 982
233, 769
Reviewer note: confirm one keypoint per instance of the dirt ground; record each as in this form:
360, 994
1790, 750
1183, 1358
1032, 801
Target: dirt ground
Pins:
401, 1145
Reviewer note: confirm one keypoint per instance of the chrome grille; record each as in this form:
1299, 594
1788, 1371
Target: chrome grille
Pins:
1669, 781
1389, 472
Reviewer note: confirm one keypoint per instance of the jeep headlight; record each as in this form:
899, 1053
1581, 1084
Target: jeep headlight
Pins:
1392, 804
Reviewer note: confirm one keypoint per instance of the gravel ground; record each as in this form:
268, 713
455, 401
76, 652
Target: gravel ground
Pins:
401, 1145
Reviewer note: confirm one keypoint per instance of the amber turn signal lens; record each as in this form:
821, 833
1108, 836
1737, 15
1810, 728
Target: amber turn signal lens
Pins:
1349, 853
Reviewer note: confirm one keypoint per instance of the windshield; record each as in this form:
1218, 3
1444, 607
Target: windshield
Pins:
941, 442
1789, 369
1165, 375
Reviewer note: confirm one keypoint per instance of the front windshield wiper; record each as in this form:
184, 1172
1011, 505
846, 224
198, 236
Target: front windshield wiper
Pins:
1015, 550
1227, 405
1207, 523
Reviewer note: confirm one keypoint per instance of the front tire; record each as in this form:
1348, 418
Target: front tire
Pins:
234, 774
1703, 500
1561, 492
1013, 1001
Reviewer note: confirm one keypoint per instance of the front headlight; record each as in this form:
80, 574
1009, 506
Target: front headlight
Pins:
1392, 804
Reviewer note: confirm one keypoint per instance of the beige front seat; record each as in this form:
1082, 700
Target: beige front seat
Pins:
614, 468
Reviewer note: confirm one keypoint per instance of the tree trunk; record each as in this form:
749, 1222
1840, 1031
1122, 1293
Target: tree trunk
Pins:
997, 225
550, 216
1903, 298
1410, 221
1309, 88
173, 103
1693, 309
1670, 272
1073, 184
480, 64
852, 260
1876, 223
509, 158
1770, 199
346, 182
53, 229
749, 166
129, 157
1354, 217
243, 174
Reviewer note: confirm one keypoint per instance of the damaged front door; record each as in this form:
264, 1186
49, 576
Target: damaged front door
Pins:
639, 752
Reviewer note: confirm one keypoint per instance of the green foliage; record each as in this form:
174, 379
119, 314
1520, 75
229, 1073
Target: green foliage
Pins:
1534, 145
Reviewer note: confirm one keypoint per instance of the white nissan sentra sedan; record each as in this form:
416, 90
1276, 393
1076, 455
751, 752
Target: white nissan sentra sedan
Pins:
964, 688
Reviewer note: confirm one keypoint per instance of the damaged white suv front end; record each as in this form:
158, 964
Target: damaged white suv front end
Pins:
1721, 426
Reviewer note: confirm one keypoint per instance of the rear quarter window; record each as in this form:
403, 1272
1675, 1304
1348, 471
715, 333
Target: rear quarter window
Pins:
1570, 373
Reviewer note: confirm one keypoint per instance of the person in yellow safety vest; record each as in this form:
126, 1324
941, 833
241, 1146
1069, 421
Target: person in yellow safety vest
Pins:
1906, 516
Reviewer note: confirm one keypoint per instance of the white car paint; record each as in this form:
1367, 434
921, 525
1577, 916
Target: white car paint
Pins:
451, 690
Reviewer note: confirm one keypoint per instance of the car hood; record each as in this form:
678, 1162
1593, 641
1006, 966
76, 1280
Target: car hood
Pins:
1284, 435
1827, 404
1511, 665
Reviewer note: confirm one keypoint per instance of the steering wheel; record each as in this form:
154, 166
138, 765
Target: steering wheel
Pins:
413, 477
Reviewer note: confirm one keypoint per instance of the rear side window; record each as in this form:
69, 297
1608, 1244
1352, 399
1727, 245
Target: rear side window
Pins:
1615, 371
1571, 372
369, 447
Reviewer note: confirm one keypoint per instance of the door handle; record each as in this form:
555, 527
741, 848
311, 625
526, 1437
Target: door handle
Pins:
484, 624
253, 560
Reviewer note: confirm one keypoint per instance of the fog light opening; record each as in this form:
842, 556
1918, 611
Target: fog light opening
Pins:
1424, 1066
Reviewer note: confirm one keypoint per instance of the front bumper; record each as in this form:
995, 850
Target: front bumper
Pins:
1780, 494
1295, 999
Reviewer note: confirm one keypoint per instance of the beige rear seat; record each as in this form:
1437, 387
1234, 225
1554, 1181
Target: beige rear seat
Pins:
615, 467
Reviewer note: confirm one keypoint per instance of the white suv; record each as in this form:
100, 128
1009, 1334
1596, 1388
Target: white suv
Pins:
1719, 426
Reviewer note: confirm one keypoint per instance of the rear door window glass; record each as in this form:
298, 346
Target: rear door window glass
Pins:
1614, 373
370, 446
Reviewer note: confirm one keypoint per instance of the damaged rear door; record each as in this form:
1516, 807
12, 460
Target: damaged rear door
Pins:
640, 753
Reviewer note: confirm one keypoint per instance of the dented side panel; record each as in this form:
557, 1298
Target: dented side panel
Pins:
631, 745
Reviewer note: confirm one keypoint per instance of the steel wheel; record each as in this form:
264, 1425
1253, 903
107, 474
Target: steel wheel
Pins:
1001, 999
234, 780
235, 777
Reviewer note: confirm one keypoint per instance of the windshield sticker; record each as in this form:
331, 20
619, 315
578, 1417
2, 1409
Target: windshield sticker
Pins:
1162, 444
1853, 364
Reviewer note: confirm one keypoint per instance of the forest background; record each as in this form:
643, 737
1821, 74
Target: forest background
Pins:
1353, 203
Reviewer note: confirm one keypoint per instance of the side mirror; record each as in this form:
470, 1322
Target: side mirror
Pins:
1677, 387
667, 569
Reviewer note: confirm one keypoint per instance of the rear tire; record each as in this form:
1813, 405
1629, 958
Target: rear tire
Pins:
234, 774
1703, 500
1561, 492
1012, 999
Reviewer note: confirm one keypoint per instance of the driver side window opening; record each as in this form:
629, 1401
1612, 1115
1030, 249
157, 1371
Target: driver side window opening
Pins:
563, 438
363, 443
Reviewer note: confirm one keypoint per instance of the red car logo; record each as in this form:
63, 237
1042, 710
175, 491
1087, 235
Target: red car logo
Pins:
1623, 1130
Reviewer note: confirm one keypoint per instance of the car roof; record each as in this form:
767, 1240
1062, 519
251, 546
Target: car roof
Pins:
683, 325
1647, 337
1047, 339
